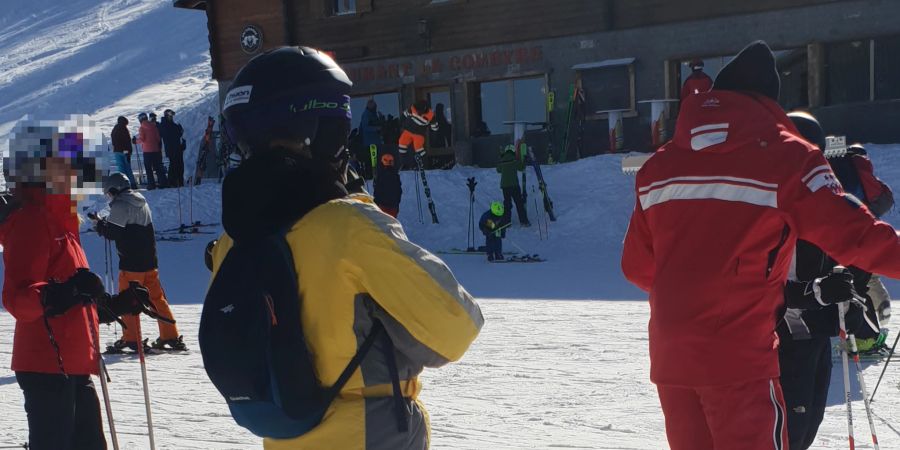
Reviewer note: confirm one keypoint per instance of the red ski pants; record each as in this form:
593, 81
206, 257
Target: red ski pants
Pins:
150, 280
745, 416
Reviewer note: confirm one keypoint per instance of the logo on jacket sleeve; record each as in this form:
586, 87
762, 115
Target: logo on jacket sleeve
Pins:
708, 135
820, 177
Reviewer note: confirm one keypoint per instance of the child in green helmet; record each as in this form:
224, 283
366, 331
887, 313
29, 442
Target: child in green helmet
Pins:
493, 224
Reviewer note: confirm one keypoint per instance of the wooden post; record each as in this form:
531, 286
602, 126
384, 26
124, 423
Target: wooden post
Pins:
816, 89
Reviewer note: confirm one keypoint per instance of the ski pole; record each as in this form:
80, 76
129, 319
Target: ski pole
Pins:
884, 369
140, 349
842, 311
862, 387
180, 219
104, 387
470, 232
539, 220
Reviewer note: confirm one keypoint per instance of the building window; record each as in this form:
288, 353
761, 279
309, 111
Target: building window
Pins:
388, 106
847, 72
343, 7
522, 99
887, 68
608, 85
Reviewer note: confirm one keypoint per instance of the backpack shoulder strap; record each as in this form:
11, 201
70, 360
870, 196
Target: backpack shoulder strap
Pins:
374, 333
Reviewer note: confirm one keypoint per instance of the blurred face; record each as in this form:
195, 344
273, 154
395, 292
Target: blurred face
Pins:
59, 176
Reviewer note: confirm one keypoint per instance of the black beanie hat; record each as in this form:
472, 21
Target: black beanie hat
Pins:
752, 70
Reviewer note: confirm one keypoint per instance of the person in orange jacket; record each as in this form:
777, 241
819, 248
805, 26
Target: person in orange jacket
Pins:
418, 119
148, 137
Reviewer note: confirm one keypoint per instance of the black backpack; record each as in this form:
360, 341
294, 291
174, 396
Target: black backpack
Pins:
253, 345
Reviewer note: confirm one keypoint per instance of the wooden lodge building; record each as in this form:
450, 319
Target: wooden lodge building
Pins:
492, 61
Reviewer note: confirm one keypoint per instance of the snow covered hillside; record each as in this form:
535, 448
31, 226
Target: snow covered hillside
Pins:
105, 58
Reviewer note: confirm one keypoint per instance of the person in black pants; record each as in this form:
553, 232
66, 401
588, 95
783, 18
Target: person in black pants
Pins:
68, 409
509, 166
811, 320
172, 134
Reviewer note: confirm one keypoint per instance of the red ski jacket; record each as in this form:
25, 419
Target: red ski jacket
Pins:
718, 213
872, 186
40, 242
697, 83
148, 137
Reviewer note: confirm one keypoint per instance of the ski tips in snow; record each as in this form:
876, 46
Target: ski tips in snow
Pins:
519, 259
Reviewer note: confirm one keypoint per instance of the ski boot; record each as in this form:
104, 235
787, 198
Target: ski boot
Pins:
176, 344
121, 346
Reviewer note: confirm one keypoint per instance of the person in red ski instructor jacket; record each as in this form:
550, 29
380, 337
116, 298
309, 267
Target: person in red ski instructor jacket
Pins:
49, 290
698, 82
719, 210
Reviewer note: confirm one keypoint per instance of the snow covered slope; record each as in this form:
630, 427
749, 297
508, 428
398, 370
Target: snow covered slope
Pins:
104, 58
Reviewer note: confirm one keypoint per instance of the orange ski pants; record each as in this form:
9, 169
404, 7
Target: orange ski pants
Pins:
149, 280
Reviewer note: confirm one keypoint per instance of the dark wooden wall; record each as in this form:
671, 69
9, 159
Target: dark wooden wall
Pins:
227, 19
389, 28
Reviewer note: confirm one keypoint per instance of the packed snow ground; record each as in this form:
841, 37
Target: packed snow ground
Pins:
561, 363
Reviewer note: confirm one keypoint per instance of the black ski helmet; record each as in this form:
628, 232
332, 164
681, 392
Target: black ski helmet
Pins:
809, 128
296, 94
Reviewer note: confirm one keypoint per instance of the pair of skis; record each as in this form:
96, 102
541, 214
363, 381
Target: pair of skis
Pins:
431, 208
528, 153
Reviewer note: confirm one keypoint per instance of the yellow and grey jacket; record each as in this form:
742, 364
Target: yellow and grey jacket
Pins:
354, 263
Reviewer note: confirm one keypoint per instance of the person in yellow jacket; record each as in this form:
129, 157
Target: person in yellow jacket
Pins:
289, 110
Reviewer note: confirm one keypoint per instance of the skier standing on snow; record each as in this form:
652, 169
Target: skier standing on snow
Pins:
698, 82
122, 148
719, 210
148, 137
51, 293
172, 136
130, 225
388, 189
354, 262
493, 225
509, 168
811, 320
417, 120
857, 176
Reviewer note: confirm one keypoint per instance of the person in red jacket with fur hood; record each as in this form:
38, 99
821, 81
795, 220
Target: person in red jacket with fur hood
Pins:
49, 290
719, 210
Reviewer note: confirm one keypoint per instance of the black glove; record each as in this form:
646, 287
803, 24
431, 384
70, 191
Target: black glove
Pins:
134, 300
82, 287
834, 288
